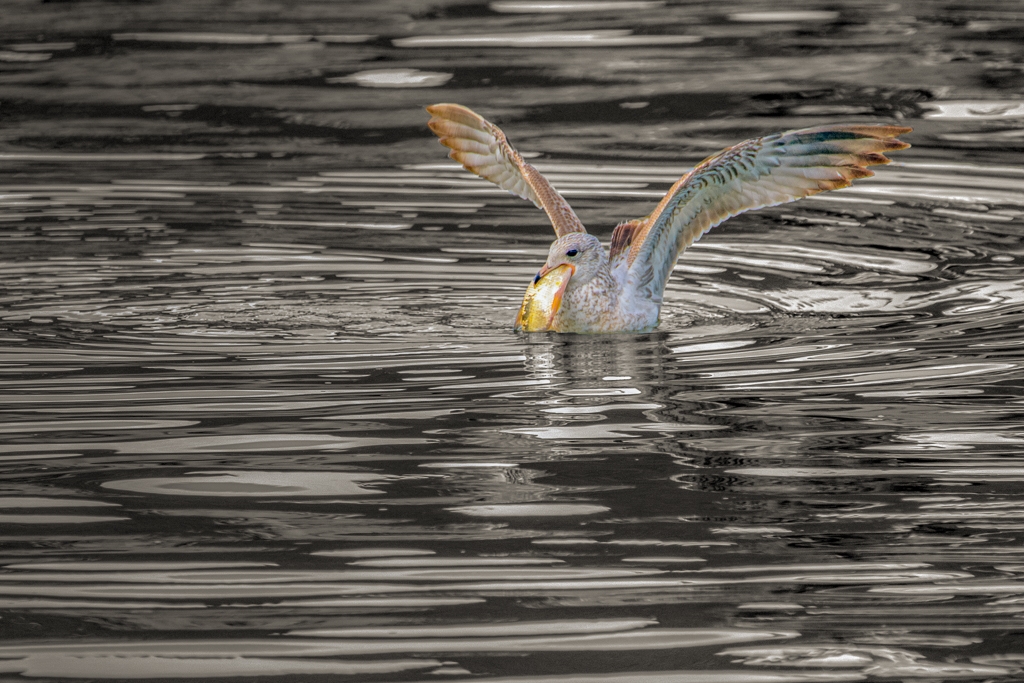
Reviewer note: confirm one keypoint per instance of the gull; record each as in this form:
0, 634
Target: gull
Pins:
582, 289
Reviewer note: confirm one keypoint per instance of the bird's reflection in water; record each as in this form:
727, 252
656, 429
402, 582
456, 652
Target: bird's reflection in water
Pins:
579, 361
606, 387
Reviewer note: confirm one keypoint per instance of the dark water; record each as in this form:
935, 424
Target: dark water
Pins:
264, 414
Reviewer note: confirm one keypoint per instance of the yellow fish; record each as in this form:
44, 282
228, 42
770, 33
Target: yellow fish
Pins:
543, 299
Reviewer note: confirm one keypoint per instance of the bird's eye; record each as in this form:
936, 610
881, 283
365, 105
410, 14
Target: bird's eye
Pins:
572, 252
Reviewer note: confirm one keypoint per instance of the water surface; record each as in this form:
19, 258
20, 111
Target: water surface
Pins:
264, 414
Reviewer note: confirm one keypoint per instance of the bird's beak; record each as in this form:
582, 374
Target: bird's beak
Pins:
543, 298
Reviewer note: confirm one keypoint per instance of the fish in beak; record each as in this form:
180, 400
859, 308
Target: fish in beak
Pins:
543, 298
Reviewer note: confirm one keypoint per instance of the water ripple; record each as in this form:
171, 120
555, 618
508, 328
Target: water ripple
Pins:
264, 413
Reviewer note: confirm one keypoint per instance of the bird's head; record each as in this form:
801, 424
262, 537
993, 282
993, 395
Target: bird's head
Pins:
573, 260
581, 251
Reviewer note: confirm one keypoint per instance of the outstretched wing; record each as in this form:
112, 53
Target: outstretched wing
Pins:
754, 174
481, 147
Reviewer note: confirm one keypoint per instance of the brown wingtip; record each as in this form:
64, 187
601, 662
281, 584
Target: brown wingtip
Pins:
457, 113
441, 108
885, 144
887, 141
441, 117
872, 159
856, 172
868, 130
443, 129
889, 131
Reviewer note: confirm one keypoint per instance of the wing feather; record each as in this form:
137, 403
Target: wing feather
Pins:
482, 148
754, 174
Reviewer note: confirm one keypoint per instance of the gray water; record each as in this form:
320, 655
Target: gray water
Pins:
264, 414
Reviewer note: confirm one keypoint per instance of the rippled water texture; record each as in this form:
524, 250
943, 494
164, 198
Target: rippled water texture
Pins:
264, 414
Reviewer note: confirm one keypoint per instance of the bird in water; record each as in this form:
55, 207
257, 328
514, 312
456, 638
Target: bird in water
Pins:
582, 289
